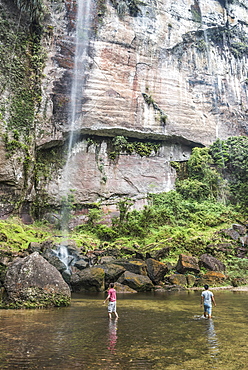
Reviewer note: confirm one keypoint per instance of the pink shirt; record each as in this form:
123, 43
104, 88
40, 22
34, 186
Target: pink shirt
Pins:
112, 295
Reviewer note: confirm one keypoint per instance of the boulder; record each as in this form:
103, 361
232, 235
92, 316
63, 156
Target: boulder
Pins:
134, 266
120, 288
106, 259
236, 282
139, 256
190, 280
32, 282
156, 270
162, 253
140, 283
112, 272
213, 278
34, 247
89, 279
187, 264
81, 264
241, 229
177, 279
211, 263
231, 233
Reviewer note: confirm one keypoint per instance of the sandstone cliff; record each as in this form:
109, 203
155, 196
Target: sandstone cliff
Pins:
173, 74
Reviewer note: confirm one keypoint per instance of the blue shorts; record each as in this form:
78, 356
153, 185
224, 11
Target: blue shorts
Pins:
112, 307
208, 309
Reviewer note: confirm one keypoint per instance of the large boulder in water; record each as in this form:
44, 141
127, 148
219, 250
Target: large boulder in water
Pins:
137, 282
32, 282
89, 279
112, 272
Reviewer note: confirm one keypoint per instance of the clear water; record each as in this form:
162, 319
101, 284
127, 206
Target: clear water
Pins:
154, 331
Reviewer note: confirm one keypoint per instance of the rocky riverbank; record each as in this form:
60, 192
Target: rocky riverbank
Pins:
45, 274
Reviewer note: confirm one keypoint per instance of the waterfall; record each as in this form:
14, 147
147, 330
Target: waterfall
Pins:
63, 255
82, 37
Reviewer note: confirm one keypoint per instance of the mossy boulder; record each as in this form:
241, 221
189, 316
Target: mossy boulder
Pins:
156, 270
187, 264
178, 279
140, 283
212, 278
135, 266
32, 282
89, 279
112, 272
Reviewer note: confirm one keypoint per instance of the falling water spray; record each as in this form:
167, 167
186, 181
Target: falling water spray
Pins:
82, 37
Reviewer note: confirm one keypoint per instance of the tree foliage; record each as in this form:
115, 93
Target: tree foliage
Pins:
231, 158
34, 8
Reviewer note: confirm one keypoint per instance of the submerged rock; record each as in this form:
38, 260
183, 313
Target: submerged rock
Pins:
32, 282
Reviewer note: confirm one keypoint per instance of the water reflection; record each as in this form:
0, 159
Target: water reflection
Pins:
112, 338
212, 339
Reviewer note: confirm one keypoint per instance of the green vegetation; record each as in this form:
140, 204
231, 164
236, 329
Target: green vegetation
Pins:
231, 159
150, 101
33, 8
38, 299
15, 236
210, 196
130, 7
122, 144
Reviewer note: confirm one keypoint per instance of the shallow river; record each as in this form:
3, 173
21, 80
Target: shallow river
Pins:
154, 331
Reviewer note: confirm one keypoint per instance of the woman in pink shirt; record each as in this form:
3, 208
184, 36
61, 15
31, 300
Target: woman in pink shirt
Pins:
112, 301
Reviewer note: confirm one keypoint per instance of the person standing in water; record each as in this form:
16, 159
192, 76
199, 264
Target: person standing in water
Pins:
207, 298
112, 301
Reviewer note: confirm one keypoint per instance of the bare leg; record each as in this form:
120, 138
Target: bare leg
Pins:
116, 315
109, 315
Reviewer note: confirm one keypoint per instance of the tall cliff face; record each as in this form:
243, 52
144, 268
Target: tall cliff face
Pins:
173, 74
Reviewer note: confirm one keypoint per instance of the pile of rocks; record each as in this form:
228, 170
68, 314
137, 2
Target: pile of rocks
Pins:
94, 270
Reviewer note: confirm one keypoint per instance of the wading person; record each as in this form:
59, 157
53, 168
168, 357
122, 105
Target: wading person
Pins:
112, 301
207, 298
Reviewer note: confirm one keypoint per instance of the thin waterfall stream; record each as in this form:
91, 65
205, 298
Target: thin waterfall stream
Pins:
82, 39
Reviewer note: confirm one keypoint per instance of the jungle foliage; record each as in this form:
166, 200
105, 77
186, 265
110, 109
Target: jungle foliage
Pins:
210, 194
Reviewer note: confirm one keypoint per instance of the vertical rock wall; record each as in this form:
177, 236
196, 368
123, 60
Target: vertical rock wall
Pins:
171, 73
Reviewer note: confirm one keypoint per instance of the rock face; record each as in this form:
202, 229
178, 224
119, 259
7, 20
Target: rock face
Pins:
169, 72
32, 282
